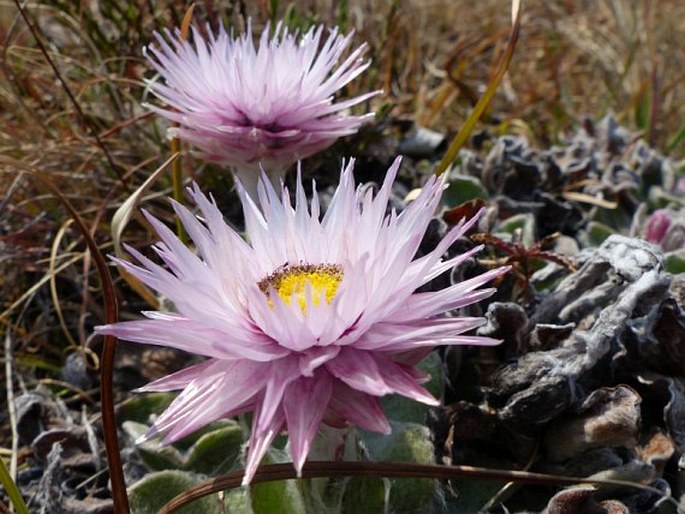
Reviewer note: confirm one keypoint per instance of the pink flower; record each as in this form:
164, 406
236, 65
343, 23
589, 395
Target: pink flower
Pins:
309, 319
666, 228
657, 226
243, 106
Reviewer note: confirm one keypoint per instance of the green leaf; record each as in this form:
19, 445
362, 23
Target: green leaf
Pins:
524, 222
364, 494
597, 233
675, 262
281, 497
155, 456
12, 490
677, 138
236, 500
154, 490
484, 100
643, 108
463, 188
409, 442
37, 362
658, 198
141, 407
216, 452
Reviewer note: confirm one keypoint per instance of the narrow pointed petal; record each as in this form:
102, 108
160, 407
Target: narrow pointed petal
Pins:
400, 379
358, 370
177, 380
280, 375
260, 440
360, 409
304, 404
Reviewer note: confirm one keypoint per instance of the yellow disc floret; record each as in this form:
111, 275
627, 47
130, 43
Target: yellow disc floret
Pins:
292, 282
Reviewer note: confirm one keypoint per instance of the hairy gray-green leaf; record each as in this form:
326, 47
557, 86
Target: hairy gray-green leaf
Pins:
154, 490
675, 262
408, 442
141, 406
523, 222
597, 233
215, 452
154, 455
364, 494
280, 497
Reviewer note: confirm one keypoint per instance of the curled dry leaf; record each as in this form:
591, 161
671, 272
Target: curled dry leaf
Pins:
608, 417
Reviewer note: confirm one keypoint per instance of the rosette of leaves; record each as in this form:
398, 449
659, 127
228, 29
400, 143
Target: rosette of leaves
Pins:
587, 187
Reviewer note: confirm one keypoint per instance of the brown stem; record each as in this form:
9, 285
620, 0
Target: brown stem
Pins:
116, 473
383, 469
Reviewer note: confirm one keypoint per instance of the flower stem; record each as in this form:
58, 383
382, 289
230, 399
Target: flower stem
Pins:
272, 472
176, 169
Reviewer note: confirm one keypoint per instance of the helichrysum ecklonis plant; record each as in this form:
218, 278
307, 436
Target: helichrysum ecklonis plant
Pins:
250, 107
306, 320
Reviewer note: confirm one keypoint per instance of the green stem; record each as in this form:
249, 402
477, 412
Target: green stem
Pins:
176, 170
12, 489
482, 104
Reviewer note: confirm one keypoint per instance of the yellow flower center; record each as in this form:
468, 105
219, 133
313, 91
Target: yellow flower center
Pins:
292, 282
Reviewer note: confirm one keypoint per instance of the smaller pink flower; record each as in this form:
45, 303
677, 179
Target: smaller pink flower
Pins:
657, 226
245, 107
666, 227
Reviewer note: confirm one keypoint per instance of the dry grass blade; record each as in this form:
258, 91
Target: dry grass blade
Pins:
121, 218
71, 387
37, 285
274, 472
589, 199
67, 90
53, 282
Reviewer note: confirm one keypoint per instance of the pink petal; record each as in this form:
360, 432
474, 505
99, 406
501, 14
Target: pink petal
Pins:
358, 408
177, 380
399, 336
218, 390
281, 373
195, 337
304, 404
260, 439
402, 381
359, 370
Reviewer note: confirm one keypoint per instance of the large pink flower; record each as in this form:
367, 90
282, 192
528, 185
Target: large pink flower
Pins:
245, 106
309, 319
